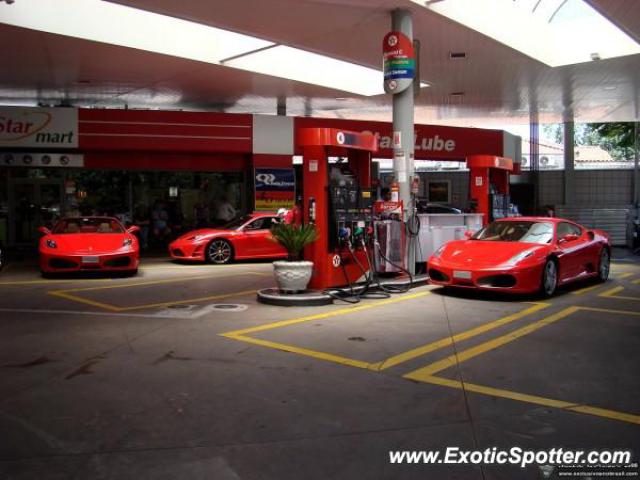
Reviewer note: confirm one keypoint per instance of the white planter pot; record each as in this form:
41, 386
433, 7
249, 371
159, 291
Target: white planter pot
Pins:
292, 276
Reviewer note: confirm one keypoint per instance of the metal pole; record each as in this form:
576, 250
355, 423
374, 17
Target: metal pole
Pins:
636, 173
403, 167
569, 162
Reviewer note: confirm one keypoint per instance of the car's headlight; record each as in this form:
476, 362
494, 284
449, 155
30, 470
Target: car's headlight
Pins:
520, 256
195, 238
127, 242
438, 252
51, 243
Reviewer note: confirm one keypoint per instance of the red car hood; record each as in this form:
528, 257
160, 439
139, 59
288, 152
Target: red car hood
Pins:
89, 243
479, 253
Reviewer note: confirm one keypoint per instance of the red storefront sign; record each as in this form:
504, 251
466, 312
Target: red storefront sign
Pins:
432, 142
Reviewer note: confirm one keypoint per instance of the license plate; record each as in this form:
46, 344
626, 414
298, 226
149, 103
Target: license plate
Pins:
90, 259
462, 274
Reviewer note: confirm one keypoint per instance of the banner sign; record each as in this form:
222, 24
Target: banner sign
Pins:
38, 127
274, 188
40, 160
399, 62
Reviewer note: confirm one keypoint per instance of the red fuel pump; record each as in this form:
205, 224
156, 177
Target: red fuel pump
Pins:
489, 185
338, 200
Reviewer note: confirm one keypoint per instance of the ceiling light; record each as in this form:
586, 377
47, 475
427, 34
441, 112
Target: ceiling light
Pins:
555, 32
302, 66
115, 24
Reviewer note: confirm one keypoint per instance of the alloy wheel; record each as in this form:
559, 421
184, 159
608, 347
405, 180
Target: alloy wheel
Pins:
550, 279
605, 265
219, 251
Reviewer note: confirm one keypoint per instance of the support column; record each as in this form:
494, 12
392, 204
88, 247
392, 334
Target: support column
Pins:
636, 171
534, 159
569, 162
403, 106
281, 107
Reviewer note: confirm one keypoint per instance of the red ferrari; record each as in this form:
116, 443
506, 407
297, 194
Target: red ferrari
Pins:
244, 238
89, 243
523, 255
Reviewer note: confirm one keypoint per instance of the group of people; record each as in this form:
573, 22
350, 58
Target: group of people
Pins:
165, 220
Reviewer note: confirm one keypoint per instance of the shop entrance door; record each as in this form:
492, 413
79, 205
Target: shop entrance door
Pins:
32, 203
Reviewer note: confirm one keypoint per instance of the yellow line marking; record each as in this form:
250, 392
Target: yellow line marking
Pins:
86, 301
431, 347
636, 281
609, 310
619, 276
427, 374
451, 360
159, 282
54, 282
113, 308
302, 351
241, 335
582, 291
522, 397
317, 316
199, 267
613, 294
68, 293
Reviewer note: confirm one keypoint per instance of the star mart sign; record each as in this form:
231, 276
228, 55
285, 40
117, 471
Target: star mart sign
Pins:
38, 127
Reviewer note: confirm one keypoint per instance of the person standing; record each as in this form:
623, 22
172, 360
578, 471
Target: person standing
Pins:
225, 211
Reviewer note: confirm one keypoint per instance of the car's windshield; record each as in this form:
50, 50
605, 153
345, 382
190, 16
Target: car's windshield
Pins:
237, 223
88, 225
516, 231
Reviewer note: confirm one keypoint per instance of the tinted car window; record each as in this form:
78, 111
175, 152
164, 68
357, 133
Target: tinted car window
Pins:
565, 228
516, 231
88, 225
263, 223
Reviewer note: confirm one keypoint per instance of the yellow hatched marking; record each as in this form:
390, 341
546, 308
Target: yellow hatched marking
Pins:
431, 347
451, 360
613, 293
68, 294
242, 335
535, 399
427, 374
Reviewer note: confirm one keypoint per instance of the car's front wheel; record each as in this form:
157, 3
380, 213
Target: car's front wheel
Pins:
549, 281
219, 251
604, 266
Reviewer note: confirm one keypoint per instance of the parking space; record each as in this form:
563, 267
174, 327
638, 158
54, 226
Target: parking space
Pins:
95, 365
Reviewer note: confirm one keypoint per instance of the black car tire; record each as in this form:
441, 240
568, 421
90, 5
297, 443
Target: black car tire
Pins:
219, 251
549, 280
604, 265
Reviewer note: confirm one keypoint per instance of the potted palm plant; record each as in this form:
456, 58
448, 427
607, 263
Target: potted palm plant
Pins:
293, 275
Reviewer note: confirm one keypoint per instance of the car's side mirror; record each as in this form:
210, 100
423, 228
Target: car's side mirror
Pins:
133, 229
468, 234
569, 237
44, 231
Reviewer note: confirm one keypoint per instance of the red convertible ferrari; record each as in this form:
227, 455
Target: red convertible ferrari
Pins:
523, 255
244, 238
89, 243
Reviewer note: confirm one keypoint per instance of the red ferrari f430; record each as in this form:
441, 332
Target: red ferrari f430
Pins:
523, 255
89, 243
245, 238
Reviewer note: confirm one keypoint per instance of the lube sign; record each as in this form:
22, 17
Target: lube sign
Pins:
426, 143
38, 127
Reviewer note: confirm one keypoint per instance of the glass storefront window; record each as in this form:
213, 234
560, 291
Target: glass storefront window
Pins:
164, 204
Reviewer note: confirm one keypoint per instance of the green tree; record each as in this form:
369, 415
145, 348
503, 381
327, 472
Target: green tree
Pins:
616, 138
